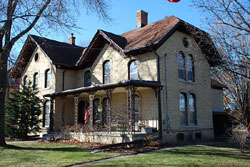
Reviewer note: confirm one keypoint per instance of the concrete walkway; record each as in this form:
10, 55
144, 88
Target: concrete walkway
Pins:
139, 154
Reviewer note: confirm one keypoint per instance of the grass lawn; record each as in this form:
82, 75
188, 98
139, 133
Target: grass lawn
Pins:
193, 156
44, 155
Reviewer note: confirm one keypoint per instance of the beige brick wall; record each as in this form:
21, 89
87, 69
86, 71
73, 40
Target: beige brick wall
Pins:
201, 87
40, 66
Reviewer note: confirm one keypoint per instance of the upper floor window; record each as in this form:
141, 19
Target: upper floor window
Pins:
183, 108
192, 109
106, 72
190, 68
36, 57
87, 78
133, 71
35, 81
181, 66
47, 78
25, 81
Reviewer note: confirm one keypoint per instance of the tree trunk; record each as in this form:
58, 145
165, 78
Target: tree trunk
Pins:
3, 85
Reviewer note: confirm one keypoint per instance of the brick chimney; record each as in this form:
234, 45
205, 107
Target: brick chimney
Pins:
141, 19
72, 39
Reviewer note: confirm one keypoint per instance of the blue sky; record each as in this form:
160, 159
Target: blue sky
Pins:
123, 13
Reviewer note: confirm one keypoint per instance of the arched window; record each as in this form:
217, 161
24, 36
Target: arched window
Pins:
190, 68
133, 71
35, 81
87, 78
46, 114
181, 66
106, 72
47, 78
192, 109
183, 109
25, 81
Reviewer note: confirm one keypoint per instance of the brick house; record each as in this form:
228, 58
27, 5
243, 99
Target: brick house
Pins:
151, 80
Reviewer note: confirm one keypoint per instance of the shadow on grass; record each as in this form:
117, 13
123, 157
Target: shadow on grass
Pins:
68, 149
207, 152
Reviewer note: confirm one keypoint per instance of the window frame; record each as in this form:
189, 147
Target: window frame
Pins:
181, 66
130, 69
190, 68
86, 73
25, 81
183, 113
35, 80
194, 115
106, 75
47, 78
45, 117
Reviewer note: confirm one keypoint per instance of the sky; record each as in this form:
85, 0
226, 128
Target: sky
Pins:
123, 14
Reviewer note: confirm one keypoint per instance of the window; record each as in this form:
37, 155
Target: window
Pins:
192, 109
81, 112
46, 114
36, 57
133, 71
106, 72
190, 68
47, 78
35, 81
181, 66
25, 81
183, 109
87, 78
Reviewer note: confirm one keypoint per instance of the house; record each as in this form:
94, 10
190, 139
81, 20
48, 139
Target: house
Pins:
154, 79
12, 86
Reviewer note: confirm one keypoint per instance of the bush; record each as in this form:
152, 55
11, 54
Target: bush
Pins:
22, 113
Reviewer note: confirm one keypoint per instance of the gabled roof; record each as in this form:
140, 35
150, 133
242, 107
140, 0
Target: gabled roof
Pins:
150, 37
60, 53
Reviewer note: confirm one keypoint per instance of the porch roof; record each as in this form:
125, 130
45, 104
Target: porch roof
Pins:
139, 83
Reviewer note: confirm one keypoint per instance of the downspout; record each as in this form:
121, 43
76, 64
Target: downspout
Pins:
166, 87
159, 92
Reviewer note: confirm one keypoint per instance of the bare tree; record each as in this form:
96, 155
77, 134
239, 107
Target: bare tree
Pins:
228, 22
18, 17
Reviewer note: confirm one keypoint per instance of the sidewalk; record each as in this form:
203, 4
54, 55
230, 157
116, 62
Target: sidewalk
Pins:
139, 154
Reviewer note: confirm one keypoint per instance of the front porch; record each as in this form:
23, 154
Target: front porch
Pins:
109, 113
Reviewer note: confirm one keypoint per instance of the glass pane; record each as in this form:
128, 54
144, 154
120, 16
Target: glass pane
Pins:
36, 81
87, 78
133, 70
104, 111
47, 114
190, 67
48, 79
192, 110
107, 72
182, 108
181, 66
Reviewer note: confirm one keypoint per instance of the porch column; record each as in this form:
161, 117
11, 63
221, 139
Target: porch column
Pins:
131, 107
51, 122
109, 96
63, 110
91, 99
76, 108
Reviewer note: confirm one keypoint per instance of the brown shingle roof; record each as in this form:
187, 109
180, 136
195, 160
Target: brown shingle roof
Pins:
60, 53
149, 34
